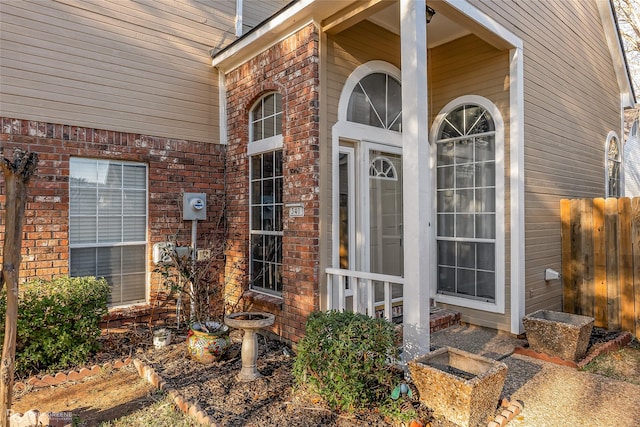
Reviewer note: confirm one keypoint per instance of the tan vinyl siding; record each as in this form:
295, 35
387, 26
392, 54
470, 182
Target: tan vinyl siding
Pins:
139, 67
344, 53
571, 103
463, 67
469, 66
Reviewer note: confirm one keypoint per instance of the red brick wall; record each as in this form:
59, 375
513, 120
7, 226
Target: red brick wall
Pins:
174, 166
290, 68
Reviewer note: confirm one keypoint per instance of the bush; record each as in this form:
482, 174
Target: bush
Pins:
58, 322
344, 357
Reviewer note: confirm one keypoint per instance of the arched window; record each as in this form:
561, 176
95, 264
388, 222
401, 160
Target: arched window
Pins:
376, 100
266, 117
382, 168
468, 151
614, 161
265, 194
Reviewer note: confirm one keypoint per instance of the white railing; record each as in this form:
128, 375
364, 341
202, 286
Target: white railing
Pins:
361, 289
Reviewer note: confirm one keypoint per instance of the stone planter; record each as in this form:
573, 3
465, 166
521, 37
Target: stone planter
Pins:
462, 387
558, 334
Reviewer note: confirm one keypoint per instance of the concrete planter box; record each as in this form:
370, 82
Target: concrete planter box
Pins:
462, 387
558, 334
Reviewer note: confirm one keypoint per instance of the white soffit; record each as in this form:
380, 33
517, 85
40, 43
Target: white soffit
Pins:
440, 30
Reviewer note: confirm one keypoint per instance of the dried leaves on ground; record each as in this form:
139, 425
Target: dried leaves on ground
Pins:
622, 365
273, 400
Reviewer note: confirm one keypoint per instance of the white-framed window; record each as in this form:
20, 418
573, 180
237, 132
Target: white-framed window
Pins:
376, 101
469, 182
614, 163
266, 184
108, 225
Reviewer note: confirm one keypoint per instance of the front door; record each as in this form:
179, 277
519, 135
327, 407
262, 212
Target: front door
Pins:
371, 215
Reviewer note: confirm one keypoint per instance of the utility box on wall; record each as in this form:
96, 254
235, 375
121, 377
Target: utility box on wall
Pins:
194, 206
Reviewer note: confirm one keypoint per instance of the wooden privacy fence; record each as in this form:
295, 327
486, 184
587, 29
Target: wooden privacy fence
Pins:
601, 261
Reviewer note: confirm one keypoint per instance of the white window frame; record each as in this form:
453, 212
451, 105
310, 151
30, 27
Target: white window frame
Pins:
611, 135
271, 143
498, 306
356, 133
257, 147
121, 243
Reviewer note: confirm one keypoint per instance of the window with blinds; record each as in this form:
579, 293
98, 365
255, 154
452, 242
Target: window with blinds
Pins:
108, 225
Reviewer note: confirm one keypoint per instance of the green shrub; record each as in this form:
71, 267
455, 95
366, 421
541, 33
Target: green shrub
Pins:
344, 357
58, 322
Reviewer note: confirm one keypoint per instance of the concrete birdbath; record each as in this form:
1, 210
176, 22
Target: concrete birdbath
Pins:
250, 322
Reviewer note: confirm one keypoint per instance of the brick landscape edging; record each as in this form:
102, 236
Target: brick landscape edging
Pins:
186, 406
599, 349
34, 417
511, 408
607, 347
146, 372
61, 377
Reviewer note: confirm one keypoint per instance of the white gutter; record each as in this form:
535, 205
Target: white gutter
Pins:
287, 16
617, 54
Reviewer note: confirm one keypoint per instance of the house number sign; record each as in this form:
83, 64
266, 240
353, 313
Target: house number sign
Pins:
296, 210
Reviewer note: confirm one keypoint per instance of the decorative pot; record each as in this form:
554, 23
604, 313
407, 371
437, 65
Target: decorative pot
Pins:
161, 337
210, 346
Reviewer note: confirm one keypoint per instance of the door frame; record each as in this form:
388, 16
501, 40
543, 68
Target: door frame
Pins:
363, 225
355, 136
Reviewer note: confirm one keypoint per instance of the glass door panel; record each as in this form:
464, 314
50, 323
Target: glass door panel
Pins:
385, 220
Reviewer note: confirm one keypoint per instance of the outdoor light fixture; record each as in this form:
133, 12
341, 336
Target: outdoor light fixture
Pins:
430, 13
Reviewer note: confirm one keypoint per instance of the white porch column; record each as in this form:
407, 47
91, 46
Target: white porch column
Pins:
416, 178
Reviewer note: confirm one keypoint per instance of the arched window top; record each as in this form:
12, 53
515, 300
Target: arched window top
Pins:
266, 117
468, 152
613, 149
614, 163
382, 168
376, 100
466, 120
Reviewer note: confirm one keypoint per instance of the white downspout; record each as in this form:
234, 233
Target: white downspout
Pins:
516, 155
238, 18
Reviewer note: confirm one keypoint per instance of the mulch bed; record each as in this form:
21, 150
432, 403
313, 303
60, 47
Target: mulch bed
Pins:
272, 400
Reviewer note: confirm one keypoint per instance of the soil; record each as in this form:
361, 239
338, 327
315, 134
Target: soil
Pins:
272, 400
103, 397
268, 401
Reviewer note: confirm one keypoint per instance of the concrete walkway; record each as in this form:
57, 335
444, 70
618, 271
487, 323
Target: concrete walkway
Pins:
552, 395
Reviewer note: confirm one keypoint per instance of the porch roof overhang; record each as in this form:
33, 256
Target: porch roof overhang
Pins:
337, 15
332, 16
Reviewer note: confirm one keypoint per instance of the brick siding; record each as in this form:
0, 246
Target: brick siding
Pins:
290, 68
174, 166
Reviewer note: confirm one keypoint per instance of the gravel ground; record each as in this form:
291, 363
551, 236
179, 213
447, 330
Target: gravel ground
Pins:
561, 396
552, 395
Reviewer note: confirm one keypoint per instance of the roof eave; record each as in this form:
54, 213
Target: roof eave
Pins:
291, 17
616, 48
